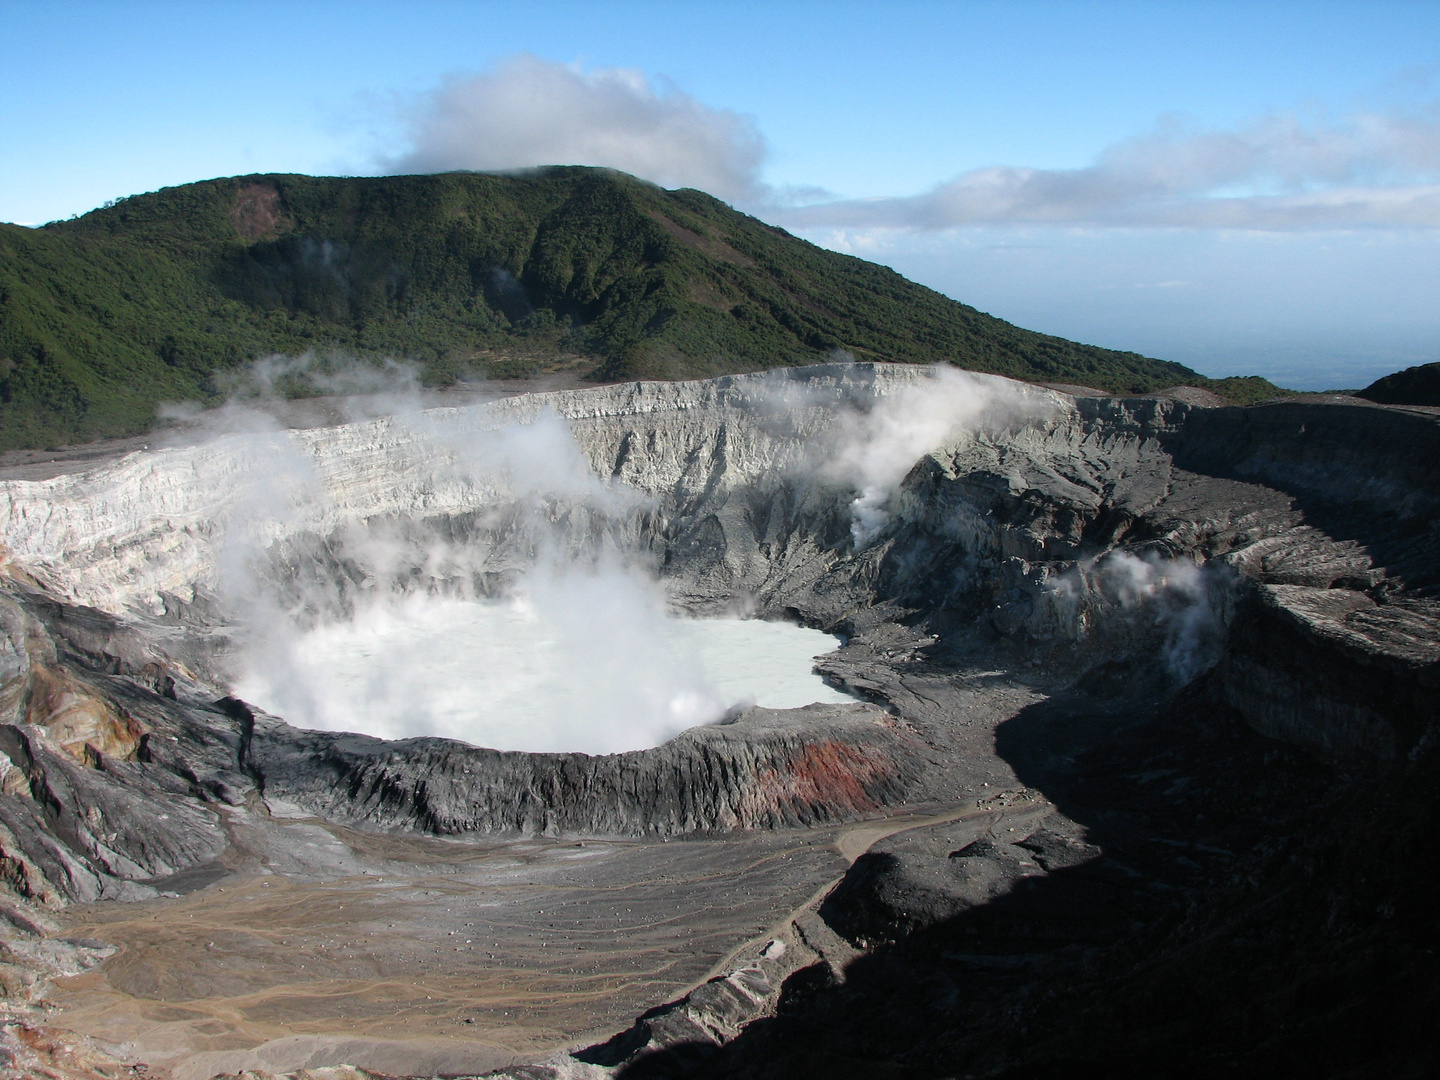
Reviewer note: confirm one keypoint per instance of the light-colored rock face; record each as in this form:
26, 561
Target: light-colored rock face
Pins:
165, 522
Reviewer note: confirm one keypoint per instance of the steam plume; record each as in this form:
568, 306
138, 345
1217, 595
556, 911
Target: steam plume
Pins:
528, 563
1177, 599
875, 450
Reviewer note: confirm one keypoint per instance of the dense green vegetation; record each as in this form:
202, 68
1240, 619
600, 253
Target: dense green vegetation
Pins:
157, 296
1413, 386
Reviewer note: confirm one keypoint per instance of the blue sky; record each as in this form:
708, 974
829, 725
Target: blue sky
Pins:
1241, 187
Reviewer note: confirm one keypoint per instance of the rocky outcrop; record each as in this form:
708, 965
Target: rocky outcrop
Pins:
1336, 670
761, 770
895, 890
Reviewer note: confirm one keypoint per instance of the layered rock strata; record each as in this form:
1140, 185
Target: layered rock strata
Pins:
1275, 564
765, 769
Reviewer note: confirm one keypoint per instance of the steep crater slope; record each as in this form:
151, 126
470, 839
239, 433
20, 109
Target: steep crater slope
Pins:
1004, 562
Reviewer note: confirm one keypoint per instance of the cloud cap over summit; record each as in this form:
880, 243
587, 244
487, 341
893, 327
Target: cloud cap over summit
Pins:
531, 112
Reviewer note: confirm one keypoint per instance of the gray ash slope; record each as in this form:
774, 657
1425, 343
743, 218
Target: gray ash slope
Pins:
1238, 879
1208, 637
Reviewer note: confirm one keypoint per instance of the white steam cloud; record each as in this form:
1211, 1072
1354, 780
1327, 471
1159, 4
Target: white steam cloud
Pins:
567, 661
875, 450
1279, 172
257, 393
452, 572
1175, 598
592, 620
531, 112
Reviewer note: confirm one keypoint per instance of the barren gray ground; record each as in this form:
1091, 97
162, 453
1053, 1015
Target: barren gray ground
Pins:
466, 954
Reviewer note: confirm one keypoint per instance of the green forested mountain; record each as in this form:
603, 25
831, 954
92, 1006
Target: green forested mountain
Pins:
1418, 385
156, 296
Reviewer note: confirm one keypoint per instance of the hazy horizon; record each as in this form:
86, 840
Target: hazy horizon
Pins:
1245, 189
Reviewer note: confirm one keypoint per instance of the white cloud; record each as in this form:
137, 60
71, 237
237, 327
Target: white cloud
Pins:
531, 112
1278, 173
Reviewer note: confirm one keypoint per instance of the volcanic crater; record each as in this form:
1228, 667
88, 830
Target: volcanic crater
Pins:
1138, 681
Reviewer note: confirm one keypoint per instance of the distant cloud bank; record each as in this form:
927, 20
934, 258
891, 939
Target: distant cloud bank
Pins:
531, 112
1278, 173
